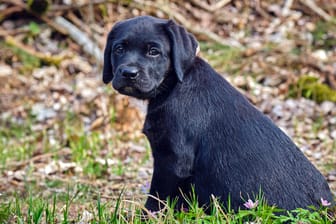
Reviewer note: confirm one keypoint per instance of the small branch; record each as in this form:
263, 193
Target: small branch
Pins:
259, 9
37, 158
286, 8
8, 11
44, 57
200, 30
312, 5
63, 26
77, 22
81, 38
45, 19
211, 8
191, 27
78, 6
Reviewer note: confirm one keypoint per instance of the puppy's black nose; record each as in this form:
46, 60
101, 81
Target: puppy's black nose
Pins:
130, 72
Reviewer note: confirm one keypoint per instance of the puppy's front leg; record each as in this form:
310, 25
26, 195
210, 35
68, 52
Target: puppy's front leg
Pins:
172, 174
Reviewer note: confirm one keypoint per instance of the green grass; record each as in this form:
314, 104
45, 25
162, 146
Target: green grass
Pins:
57, 209
19, 142
29, 62
221, 57
69, 199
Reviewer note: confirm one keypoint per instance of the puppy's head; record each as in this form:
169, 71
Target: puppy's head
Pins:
142, 52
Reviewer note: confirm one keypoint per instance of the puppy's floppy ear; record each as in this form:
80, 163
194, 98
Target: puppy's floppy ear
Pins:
107, 69
183, 47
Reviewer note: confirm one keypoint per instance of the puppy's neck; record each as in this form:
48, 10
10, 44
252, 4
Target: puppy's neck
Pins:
162, 92
166, 86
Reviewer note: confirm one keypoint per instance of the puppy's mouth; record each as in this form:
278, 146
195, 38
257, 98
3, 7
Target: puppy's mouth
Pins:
133, 89
128, 90
134, 92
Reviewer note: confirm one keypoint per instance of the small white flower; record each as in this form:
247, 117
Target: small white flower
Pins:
153, 214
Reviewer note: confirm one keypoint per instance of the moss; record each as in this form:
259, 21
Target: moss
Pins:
324, 34
29, 58
12, 53
310, 87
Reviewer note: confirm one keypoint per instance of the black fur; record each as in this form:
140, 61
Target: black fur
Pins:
203, 132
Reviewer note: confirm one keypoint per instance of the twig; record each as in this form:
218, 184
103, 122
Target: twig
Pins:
77, 22
3, 33
201, 31
53, 24
78, 6
312, 5
9, 11
286, 8
211, 8
182, 20
81, 38
65, 27
44, 57
45, 19
259, 9
119, 185
38, 157
327, 71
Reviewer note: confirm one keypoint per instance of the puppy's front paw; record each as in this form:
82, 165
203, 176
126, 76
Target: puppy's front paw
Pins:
153, 205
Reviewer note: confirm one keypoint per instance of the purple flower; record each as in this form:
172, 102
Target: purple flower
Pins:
325, 203
184, 209
250, 204
145, 188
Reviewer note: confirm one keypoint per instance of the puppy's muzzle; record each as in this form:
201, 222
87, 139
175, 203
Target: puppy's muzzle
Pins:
129, 72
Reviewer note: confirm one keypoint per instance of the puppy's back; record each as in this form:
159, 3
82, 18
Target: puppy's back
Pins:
240, 151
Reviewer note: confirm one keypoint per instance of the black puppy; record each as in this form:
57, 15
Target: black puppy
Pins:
202, 131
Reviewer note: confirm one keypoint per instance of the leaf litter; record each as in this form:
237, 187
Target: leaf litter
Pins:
60, 126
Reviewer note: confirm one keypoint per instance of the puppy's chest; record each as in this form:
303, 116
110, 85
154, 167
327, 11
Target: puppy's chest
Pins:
152, 128
155, 128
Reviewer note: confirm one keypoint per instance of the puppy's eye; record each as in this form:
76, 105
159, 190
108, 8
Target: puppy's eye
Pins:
119, 49
153, 52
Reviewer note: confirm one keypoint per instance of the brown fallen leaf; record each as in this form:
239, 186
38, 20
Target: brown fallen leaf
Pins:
97, 123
